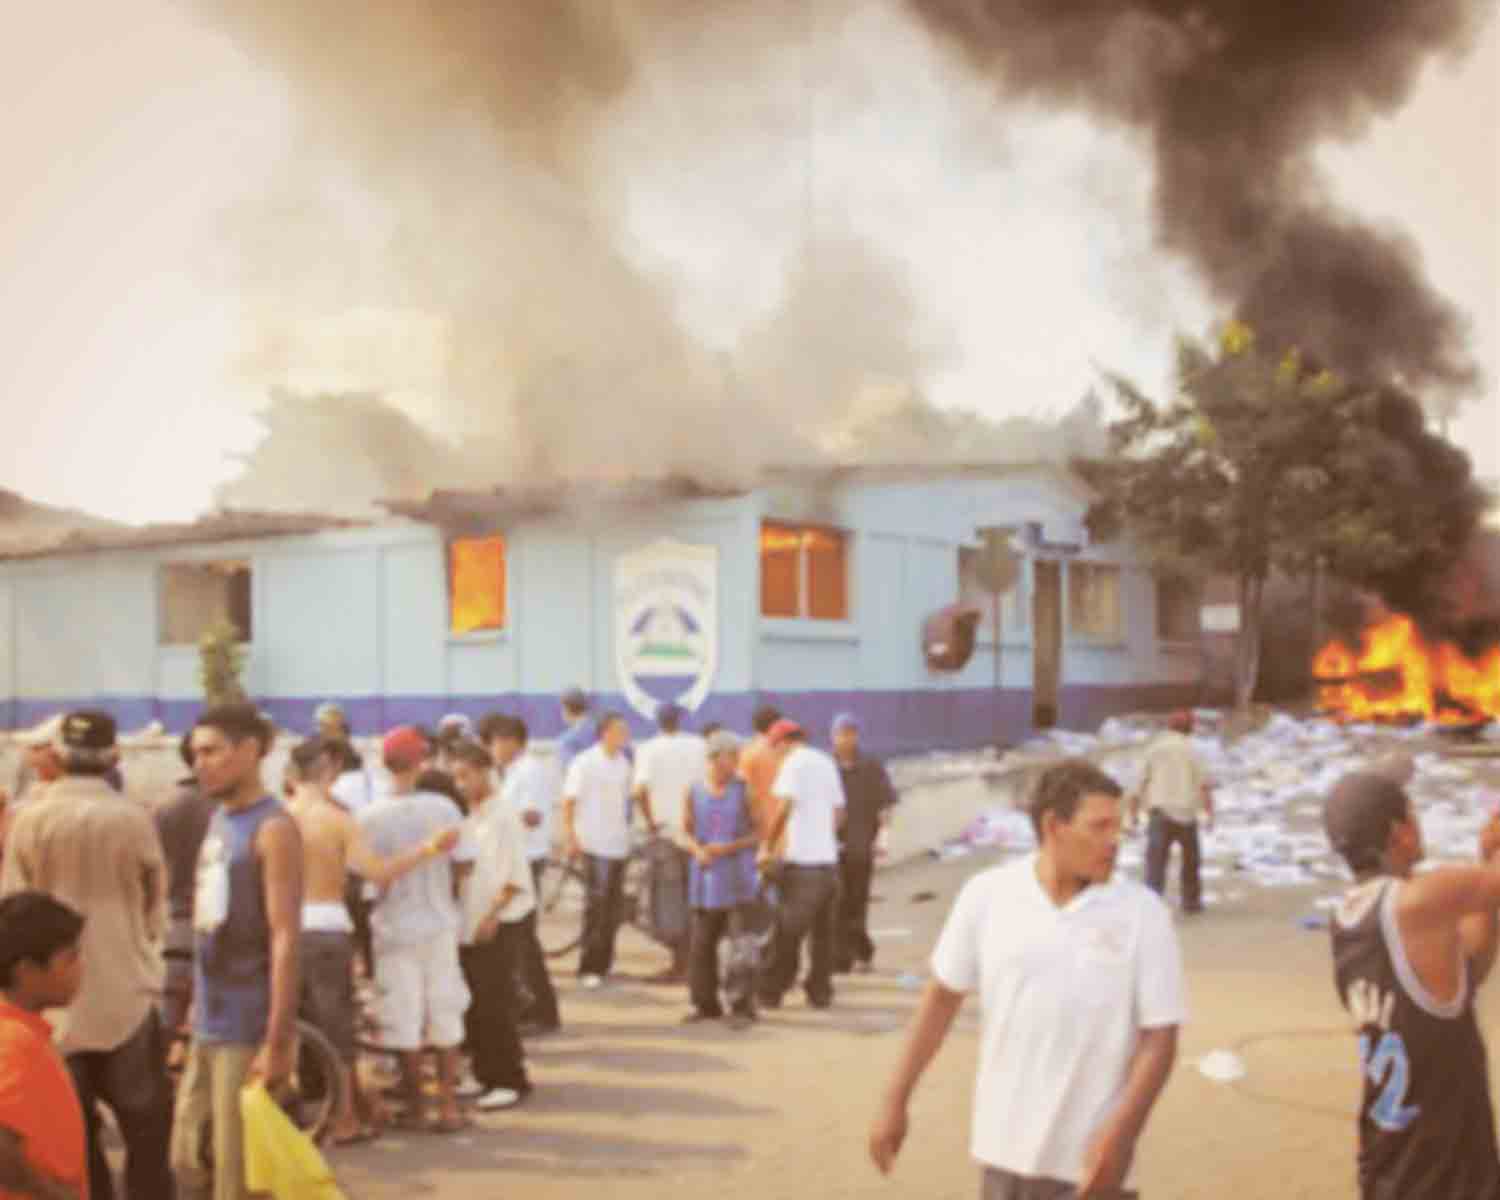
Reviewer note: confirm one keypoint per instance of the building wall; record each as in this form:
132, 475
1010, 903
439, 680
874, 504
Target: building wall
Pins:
361, 617
906, 540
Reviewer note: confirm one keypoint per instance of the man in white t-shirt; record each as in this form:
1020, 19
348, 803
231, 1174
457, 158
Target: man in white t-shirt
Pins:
808, 804
1080, 979
528, 787
496, 893
666, 767
596, 821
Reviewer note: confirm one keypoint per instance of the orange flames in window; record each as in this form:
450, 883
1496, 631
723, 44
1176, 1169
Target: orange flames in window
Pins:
476, 584
1397, 675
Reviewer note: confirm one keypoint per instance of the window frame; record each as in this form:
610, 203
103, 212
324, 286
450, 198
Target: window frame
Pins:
1195, 608
800, 530
1115, 637
228, 569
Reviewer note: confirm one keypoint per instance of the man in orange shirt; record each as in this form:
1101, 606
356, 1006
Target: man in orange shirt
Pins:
42, 1149
758, 763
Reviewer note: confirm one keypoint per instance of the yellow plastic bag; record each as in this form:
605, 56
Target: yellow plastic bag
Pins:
281, 1160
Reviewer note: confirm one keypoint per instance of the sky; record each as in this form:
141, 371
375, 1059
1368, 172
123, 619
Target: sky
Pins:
131, 134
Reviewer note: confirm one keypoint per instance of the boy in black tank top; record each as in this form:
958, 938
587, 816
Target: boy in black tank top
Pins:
1409, 954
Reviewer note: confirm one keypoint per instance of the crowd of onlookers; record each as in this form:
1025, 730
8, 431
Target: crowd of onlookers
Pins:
236, 906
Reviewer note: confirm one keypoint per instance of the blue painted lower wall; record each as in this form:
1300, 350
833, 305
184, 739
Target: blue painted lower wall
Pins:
894, 722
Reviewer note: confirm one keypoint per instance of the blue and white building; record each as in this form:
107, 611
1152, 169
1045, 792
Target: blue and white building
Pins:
809, 591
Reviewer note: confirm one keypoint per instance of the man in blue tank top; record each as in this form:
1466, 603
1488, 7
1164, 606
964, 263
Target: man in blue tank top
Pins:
1409, 953
719, 832
247, 911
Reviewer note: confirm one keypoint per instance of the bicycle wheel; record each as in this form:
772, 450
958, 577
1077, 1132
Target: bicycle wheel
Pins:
559, 924
317, 1084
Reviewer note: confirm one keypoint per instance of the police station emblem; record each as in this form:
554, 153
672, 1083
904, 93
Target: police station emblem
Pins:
667, 624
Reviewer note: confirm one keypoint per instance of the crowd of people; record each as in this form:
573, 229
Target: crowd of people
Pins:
238, 911
226, 912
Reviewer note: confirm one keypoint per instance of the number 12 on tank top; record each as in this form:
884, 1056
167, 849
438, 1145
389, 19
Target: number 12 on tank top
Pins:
1390, 1063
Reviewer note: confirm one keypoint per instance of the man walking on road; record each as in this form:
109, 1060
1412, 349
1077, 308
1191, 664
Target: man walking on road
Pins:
666, 766
809, 799
869, 799
1175, 794
1409, 954
247, 918
1081, 984
86, 847
596, 820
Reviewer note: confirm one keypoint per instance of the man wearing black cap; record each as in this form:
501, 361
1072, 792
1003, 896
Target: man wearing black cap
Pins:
86, 847
1409, 952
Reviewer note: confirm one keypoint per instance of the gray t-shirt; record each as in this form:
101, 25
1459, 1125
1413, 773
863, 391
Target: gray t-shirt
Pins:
420, 905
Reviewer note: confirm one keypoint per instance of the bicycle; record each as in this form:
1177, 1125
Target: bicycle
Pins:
565, 890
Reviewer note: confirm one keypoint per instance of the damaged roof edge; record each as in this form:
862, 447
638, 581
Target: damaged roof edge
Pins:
459, 508
227, 526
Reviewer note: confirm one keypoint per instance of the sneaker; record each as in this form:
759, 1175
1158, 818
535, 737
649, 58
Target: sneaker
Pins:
468, 1087
498, 1098
739, 1022
590, 983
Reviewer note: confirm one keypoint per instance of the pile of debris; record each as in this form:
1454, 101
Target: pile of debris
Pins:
1269, 786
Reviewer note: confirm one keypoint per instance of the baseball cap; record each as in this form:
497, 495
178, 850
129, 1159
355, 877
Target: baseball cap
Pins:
782, 730
846, 720
722, 742
48, 733
328, 709
574, 697
455, 725
403, 748
1180, 721
87, 729
1360, 811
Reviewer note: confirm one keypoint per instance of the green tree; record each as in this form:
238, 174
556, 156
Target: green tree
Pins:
221, 662
1265, 462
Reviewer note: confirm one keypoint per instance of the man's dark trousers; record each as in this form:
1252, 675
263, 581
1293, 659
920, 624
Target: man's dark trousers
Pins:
1162, 833
854, 944
490, 1022
602, 910
809, 908
132, 1080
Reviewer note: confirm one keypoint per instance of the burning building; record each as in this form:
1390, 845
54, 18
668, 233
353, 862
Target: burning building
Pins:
816, 589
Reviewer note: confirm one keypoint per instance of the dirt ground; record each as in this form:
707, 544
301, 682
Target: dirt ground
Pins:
629, 1101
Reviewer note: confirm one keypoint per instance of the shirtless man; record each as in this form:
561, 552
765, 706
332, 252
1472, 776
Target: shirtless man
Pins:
333, 845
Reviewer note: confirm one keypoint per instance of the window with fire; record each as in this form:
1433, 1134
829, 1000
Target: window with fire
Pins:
196, 597
1094, 608
804, 572
476, 585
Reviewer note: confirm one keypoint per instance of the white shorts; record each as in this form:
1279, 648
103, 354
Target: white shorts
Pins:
422, 991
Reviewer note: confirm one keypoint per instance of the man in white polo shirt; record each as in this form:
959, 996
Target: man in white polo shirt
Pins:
808, 802
1081, 984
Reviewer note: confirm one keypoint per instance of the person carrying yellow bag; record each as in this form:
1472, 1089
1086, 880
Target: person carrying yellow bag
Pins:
280, 1160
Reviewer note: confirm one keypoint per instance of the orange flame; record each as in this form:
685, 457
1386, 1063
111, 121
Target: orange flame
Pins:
1397, 675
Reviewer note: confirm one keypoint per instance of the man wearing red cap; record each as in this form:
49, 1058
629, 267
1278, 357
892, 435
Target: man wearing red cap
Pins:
416, 924
1175, 794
